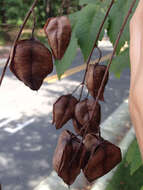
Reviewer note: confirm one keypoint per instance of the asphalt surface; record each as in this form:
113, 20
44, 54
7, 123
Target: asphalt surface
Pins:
27, 137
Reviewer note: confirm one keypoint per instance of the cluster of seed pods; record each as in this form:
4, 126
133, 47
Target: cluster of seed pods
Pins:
91, 153
32, 61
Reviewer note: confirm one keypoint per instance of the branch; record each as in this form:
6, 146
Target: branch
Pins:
95, 44
113, 53
11, 54
34, 24
88, 61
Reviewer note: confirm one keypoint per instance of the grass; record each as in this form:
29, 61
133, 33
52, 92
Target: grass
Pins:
8, 36
123, 180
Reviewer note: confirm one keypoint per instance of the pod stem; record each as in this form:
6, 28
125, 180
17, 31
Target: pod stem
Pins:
34, 24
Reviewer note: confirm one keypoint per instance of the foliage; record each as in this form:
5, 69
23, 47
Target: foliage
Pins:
134, 157
87, 27
14, 11
117, 15
122, 178
86, 24
44, 9
120, 63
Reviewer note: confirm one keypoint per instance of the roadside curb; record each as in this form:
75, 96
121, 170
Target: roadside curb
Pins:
102, 183
2, 61
115, 129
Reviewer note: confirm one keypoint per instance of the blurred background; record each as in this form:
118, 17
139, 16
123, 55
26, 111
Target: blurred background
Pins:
27, 137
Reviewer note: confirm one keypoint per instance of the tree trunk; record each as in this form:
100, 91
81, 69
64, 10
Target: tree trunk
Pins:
3, 12
49, 8
66, 6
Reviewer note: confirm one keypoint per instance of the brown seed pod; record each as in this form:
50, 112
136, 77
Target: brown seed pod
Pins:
103, 158
94, 77
63, 110
31, 63
68, 145
58, 32
83, 113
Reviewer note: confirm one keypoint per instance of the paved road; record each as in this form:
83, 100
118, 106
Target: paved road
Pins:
27, 138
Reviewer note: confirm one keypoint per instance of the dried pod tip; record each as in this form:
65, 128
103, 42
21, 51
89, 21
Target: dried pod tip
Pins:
63, 110
31, 63
58, 31
94, 79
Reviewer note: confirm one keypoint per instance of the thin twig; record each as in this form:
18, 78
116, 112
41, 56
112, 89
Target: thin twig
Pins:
112, 56
87, 95
88, 61
10, 57
34, 24
76, 89
95, 44
105, 75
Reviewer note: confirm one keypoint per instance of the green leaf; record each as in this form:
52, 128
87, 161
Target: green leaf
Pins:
142, 188
120, 62
64, 64
87, 27
133, 157
116, 18
82, 2
122, 180
97, 2
73, 19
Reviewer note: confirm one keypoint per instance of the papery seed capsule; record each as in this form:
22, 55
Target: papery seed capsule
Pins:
103, 158
83, 113
63, 110
58, 32
94, 77
64, 161
31, 63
